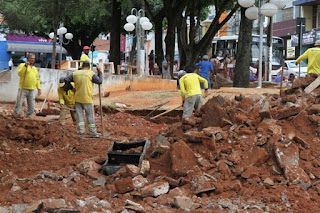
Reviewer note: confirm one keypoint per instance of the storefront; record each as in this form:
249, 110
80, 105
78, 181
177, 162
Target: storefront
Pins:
17, 46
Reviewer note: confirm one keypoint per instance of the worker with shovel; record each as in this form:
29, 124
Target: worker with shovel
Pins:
83, 81
67, 101
29, 79
190, 86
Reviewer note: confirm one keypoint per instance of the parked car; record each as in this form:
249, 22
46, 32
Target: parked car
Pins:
292, 70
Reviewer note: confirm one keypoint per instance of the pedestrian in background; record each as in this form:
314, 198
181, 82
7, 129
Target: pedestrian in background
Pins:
29, 79
313, 56
10, 64
85, 56
151, 63
191, 92
67, 101
83, 80
206, 70
166, 68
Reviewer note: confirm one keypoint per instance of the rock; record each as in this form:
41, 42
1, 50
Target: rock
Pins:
302, 142
155, 189
192, 121
235, 157
289, 98
286, 156
136, 207
132, 170
198, 182
184, 203
255, 156
90, 201
313, 109
298, 176
89, 165
211, 131
250, 172
4, 210
160, 139
139, 181
194, 136
204, 162
99, 182
54, 203
225, 203
306, 155
15, 187
224, 170
182, 158
124, 185
268, 181
265, 111
145, 167
287, 112
81, 203
18, 208
104, 204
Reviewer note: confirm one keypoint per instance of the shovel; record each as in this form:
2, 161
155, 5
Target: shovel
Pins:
44, 101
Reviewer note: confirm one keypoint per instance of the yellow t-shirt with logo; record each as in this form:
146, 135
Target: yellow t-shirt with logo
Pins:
313, 56
66, 98
32, 77
84, 86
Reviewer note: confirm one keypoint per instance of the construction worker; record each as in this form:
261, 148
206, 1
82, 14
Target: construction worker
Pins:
313, 56
83, 81
84, 56
190, 85
67, 101
29, 79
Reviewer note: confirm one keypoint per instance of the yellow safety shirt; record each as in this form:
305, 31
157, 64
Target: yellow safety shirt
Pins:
190, 84
66, 98
313, 56
85, 57
84, 86
32, 77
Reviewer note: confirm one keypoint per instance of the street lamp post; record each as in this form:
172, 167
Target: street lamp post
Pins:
60, 32
252, 13
142, 23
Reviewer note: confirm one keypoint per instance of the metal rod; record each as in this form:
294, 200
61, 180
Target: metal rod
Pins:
260, 46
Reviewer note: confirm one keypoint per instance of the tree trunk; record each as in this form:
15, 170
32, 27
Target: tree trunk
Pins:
182, 53
170, 42
115, 34
158, 40
242, 70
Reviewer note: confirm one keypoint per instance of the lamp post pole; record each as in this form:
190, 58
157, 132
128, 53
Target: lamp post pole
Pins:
260, 45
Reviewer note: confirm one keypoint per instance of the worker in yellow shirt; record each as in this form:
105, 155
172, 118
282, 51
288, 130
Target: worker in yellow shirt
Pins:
29, 79
313, 56
67, 101
83, 81
84, 56
190, 86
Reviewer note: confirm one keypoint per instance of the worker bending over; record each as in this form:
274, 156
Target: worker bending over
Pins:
190, 86
67, 101
83, 81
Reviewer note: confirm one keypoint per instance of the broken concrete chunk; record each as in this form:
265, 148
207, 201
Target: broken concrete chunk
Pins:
155, 189
145, 167
286, 156
287, 112
298, 176
268, 181
184, 203
182, 158
194, 136
139, 181
132, 170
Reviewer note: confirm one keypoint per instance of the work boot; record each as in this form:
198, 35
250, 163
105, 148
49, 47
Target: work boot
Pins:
94, 135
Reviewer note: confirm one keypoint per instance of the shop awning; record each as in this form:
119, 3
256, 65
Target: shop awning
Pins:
35, 48
305, 2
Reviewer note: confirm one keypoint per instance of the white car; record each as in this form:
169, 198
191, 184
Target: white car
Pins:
292, 70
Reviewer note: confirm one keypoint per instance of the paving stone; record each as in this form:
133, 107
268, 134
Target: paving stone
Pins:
184, 203
155, 189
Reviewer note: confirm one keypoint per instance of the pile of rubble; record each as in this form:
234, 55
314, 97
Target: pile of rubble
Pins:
257, 152
250, 154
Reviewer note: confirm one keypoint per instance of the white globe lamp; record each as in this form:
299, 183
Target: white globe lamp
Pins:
143, 20
252, 13
147, 26
269, 9
246, 3
131, 19
279, 3
129, 27
62, 30
69, 36
51, 35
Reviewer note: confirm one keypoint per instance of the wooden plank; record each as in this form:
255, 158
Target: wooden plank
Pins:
312, 86
170, 110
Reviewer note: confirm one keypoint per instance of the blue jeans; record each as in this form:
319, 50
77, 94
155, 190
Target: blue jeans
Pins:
207, 77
